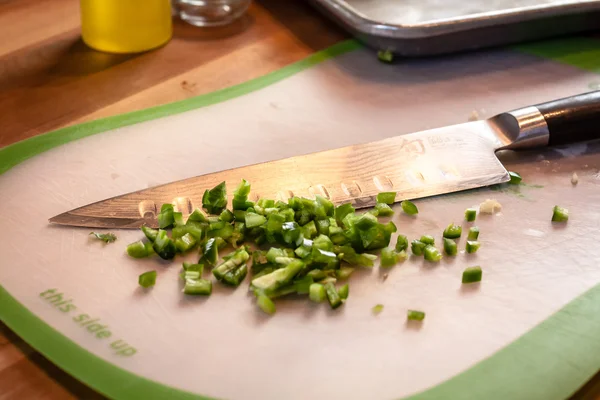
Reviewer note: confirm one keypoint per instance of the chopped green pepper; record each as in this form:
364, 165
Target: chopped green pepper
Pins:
450, 247
150, 233
185, 243
220, 242
215, 199
323, 257
377, 309
472, 246
389, 257
343, 273
401, 243
178, 231
323, 207
274, 227
265, 304
305, 249
197, 216
323, 226
417, 247
329, 279
238, 235
432, 254
319, 274
344, 291
105, 237
383, 210
302, 285
202, 287
282, 291
472, 274
470, 214
337, 235
333, 296
350, 255
210, 252
178, 219
274, 253
194, 275
309, 230
323, 242
220, 229
473, 233
193, 267
140, 249
386, 197
515, 178
366, 233
240, 196
252, 220
213, 219
147, 279
385, 56
269, 283
239, 215
317, 293
164, 246
165, 217
226, 216
314, 230
233, 270
452, 231
427, 239
194, 229
265, 203
414, 315
560, 214
409, 207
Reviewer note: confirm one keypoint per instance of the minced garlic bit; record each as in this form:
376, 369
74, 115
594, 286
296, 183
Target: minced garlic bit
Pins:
574, 178
490, 207
474, 116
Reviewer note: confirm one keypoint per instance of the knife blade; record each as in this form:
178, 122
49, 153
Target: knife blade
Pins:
416, 165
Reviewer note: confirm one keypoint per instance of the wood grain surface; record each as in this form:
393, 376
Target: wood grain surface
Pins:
49, 79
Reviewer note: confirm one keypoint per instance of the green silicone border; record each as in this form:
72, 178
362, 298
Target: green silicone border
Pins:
583, 52
104, 377
514, 372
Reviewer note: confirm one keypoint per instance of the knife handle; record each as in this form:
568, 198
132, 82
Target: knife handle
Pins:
572, 119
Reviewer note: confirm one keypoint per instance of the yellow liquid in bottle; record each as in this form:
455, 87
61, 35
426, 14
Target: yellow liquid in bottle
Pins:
125, 26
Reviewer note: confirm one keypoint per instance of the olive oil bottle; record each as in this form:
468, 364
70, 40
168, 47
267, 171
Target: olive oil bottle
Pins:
125, 26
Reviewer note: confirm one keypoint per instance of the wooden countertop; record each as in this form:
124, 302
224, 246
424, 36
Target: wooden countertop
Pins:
49, 79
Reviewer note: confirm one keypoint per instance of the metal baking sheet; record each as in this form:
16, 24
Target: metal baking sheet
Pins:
430, 27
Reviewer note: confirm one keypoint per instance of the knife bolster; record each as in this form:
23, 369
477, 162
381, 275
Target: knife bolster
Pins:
524, 128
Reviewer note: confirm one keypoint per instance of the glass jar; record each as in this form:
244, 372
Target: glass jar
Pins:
211, 12
125, 26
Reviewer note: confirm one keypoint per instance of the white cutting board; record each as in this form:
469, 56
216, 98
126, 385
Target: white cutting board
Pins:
477, 339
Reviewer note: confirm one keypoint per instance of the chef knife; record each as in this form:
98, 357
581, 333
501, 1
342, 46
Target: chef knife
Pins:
421, 164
